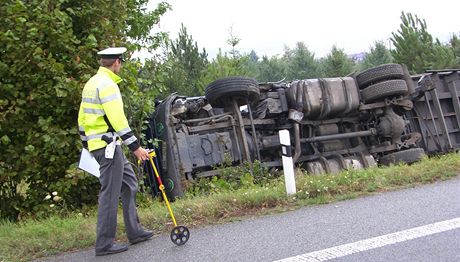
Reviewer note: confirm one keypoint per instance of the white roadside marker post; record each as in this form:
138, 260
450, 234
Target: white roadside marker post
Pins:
288, 164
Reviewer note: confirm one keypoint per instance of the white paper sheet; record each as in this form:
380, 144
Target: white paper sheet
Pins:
88, 163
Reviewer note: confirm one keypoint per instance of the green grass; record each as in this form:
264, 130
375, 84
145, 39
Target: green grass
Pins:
32, 239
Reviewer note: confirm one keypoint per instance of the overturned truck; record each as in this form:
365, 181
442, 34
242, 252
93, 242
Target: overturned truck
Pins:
378, 116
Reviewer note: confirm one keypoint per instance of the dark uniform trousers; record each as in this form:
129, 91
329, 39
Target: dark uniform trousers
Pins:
117, 180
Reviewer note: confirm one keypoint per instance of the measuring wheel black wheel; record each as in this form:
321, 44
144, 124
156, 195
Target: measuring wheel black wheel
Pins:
180, 235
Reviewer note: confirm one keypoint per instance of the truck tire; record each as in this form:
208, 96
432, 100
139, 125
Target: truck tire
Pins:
384, 89
222, 91
408, 156
377, 74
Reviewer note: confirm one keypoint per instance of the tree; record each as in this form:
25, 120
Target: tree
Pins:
233, 41
300, 62
378, 55
271, 69
415, 47
454, 43
48, 51
225, 66
253, 57
251, 64
413, 44
184, 65
337, 63
443, 56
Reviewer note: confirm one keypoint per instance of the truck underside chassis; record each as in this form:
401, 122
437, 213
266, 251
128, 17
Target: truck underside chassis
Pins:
335, 123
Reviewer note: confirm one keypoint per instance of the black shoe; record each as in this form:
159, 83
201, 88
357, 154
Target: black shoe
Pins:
113, 249
145, 235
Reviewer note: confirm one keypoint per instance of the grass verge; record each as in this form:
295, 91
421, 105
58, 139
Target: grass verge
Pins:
32, 239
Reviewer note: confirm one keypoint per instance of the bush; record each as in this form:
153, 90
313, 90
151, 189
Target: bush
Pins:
48, 51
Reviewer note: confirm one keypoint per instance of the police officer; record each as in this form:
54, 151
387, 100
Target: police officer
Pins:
101, 116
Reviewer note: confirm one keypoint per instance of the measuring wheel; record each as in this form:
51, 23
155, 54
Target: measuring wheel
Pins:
180, 235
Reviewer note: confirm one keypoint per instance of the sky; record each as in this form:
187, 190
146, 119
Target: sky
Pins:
268, 26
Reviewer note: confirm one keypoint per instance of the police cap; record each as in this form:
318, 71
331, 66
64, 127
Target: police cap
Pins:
112, 52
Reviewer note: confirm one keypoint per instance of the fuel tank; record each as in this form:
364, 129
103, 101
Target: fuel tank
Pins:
324, 97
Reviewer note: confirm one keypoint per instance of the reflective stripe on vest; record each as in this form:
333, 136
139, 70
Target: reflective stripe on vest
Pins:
94, 111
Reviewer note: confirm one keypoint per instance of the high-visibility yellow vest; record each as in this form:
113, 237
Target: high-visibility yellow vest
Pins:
101, 112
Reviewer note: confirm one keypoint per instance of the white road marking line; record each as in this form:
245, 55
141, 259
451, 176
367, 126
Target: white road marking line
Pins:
375, 242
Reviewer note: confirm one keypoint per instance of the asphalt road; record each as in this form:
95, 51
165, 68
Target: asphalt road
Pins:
284, 236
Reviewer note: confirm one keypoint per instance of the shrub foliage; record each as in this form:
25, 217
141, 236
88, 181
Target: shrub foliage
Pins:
48, 51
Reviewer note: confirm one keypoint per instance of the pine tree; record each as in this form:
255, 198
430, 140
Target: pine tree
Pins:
225, 66
378, 55
185, 65
253, 57
233, 41
413, 44
271, 69
443, 56
416, 48
337, 63
454, 43
251, 65
300, 62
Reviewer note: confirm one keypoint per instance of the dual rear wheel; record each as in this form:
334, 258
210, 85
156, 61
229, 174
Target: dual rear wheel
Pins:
380, 82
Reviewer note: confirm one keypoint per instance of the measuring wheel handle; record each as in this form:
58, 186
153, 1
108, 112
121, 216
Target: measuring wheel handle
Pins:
180, 235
